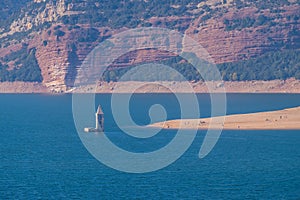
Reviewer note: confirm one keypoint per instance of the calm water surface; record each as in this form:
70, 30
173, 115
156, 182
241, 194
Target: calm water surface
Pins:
41, 155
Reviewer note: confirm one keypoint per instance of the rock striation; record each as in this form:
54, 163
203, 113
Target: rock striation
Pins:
227, 32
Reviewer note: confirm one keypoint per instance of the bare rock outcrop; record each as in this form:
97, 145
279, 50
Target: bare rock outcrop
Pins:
232, 45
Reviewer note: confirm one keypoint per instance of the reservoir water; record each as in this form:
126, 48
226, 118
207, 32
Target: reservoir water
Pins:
42, 156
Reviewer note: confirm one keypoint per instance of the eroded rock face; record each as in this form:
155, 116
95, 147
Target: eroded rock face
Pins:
61, 48
51, 13
232, 45
60, 56
52, 57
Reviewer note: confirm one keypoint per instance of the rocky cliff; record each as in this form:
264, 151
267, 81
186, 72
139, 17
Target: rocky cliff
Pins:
63, 32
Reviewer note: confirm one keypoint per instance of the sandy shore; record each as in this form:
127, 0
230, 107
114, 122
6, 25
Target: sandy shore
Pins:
275, 86
274, 120
22, 87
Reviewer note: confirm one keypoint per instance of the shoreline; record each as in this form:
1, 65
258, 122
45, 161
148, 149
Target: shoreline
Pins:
290, 86
286, 119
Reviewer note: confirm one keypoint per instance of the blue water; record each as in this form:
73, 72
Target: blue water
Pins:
41, 155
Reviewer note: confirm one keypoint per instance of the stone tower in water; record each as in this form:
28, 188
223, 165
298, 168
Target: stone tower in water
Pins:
99, 122
100, 119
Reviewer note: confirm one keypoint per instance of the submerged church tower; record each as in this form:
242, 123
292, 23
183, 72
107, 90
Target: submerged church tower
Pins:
99, 122
100, 119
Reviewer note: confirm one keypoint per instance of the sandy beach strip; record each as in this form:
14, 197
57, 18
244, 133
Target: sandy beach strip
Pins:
275, 86
287, 119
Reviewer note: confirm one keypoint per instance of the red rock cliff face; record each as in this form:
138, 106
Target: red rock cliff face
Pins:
232, 45
52, 57
59, 55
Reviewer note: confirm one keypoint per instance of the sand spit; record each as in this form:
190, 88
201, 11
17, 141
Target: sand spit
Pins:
287, 119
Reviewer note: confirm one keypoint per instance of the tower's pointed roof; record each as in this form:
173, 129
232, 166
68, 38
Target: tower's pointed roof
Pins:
99, 110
